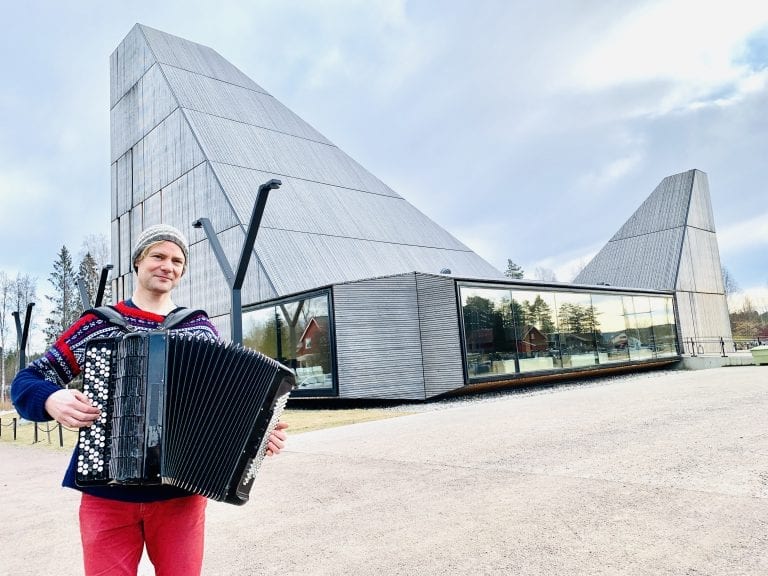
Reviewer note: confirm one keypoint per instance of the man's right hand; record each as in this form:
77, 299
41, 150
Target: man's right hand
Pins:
71, 408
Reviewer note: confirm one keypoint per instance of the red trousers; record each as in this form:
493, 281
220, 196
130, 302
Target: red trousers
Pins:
114, 534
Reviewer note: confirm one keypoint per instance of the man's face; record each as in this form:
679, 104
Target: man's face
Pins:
161, 269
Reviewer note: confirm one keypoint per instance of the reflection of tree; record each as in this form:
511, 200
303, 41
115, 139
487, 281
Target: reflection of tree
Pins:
478, 312
487, 327
513, 270
537, 313
277, 332
262, 336
576, 318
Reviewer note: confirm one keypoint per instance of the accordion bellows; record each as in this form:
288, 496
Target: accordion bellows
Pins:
179, 410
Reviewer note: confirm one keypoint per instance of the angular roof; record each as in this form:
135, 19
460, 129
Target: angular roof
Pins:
331, 221
669, 243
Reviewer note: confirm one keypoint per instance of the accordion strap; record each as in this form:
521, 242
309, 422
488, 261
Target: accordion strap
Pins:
178, 316
110, 315
172, 320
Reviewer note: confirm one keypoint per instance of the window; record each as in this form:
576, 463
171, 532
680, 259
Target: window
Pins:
298, 334
576, 334
610, 329
515, 330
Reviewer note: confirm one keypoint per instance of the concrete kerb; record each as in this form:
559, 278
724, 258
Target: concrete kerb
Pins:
704, 362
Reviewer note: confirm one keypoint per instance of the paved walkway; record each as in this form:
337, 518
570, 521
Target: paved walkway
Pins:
654, 474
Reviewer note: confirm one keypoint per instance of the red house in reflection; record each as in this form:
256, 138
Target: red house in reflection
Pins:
315, 333
530, 339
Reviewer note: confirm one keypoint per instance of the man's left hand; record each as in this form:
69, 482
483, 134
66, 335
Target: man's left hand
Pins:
277, 439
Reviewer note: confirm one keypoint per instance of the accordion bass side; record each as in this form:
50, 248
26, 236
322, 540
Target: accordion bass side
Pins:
179, 410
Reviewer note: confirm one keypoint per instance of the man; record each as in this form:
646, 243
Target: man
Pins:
116, 522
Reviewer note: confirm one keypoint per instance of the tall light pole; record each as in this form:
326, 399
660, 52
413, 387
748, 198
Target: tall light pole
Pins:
23, 334
235, 279
99, 292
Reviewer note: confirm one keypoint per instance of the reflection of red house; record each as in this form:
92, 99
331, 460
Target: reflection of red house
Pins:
480, 339
315, 331
530, 339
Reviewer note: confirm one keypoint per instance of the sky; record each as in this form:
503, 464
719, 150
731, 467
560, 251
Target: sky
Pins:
529, 130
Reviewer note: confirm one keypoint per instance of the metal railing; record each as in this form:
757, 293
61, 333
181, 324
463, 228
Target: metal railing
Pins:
719, 345
46, 428
13, 423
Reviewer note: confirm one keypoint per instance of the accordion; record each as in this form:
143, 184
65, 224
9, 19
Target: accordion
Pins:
179, 410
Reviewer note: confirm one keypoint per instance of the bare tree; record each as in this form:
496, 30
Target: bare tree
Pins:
15, 297
97, 245
745, 323
578, 268
6, 297
25, 288
729, 283
545, 274
96, 250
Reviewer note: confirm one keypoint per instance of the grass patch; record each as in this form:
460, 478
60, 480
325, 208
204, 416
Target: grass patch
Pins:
299, 421
47, 433
308, 420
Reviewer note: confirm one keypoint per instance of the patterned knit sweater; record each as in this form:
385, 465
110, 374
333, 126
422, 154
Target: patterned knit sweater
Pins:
61, 363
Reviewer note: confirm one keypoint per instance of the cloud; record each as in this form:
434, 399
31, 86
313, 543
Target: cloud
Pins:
566, 265
681, 40
609, 174
744, 235
373, 46
694, 48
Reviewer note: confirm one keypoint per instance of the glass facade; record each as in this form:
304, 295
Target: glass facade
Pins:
515, 330
297, 333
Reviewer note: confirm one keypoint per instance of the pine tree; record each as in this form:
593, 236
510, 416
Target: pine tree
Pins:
89, 273
97, 246
65, 299
513, 270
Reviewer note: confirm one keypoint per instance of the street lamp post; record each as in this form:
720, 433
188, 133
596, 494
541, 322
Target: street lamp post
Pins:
100, 291
235, 279
23, 334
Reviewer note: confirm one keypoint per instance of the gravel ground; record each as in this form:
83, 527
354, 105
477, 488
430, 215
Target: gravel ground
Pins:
653, 474
534, 390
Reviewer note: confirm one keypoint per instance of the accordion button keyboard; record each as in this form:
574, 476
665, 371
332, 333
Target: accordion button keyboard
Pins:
92, 441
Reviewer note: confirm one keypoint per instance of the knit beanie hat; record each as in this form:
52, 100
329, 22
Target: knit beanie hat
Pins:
158, 233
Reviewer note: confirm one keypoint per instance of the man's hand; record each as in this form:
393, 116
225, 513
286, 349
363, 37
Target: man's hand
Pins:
71, 408
277, 439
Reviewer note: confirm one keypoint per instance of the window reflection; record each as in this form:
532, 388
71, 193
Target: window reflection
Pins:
610, 328
296, 333
576, 334
488, 331
663, 318
510, 331
638, 315
538, 345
